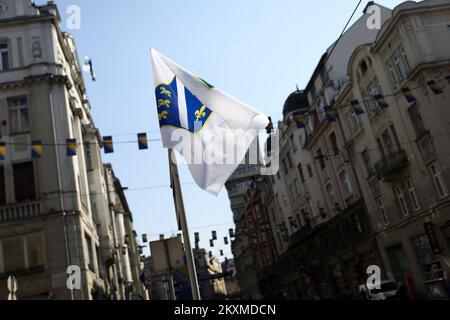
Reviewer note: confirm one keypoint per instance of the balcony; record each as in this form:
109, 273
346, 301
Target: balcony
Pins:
388, 168
17, 212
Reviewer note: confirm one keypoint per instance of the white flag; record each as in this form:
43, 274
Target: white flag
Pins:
210, 129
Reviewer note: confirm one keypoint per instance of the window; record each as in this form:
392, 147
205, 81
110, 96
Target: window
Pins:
278, 201
88, 156
21, 253
293, 145
310, 172
392, 74
343, 176
412, 194
357, 223
24, 185
285, 166
399, 66
416, 120
289, 160
354, 122
300, 172
373, 89
285, 200
4, 56
429, 261
331, 195
291, 190
439, 183
363, 67
90, 253
13, 255
298, 188
2, 186
405, 58
334, 144
388, 145
367, 162
321, 159
35, 251
382, 210
401, 199
19, 119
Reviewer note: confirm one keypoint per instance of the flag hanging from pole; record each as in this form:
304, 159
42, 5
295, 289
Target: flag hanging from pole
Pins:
210, 129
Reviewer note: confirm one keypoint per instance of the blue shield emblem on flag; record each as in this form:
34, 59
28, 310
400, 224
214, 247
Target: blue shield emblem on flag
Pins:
181, 110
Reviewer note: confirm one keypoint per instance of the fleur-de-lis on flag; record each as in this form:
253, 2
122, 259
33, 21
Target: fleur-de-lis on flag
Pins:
166, 92
200, 113
163, 103
163, 115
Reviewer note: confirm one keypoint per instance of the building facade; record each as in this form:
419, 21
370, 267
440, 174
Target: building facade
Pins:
237, 186
210, 276
399, 146
364, 175
54, 209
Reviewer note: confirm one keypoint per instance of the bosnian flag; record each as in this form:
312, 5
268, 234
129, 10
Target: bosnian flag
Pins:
210, 129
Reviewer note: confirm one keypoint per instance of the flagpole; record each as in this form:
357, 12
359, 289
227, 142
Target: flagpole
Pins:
182, 224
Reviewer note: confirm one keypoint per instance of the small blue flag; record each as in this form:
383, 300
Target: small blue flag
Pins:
36, 149
2, 150
330, 113
142, 141
381, 101
434, 87
71, 147
357, 108
108, 144
300, 119
409, 96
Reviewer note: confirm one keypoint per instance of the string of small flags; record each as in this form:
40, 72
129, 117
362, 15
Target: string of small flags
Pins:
37, 147
300, 117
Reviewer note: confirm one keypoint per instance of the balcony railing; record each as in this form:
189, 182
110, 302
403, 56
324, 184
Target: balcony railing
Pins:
391, 164
17, 212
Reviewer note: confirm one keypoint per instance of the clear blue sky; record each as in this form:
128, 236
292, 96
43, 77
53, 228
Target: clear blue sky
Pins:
255, 50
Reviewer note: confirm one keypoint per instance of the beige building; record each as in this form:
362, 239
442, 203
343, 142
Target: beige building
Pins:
208, 267
369, 188
54, 211
401, 151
